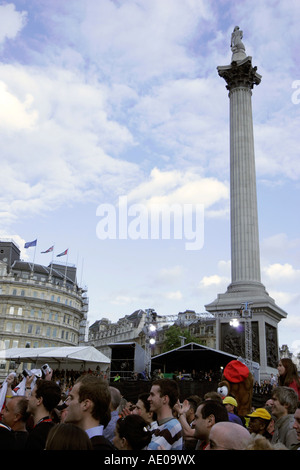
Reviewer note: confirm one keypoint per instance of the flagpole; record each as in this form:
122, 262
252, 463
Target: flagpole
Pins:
28, 245
51, 266
32, 270
66, 266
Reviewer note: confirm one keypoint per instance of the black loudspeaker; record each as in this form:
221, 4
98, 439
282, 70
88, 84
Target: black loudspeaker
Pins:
127, 359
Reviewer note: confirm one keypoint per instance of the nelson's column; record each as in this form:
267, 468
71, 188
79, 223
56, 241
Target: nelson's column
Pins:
245, 287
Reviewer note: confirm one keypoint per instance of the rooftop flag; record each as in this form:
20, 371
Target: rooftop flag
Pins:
49, 250
29, 244
63, 253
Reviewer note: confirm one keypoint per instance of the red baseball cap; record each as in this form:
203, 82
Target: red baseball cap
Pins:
236, 371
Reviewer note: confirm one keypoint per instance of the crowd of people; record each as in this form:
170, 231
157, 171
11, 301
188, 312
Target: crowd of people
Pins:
37, 415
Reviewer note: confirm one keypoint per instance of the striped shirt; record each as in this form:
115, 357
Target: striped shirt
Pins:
167, 435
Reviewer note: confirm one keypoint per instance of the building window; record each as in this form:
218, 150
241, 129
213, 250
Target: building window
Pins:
20, 311
11, 310
54, 333
48, 332
8, 326
22, 293
30, 328
14, 292
18, 328
38, 330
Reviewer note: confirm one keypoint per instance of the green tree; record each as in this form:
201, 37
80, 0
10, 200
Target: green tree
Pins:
173, 340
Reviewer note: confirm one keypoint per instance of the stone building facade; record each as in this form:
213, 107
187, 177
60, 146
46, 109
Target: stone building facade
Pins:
40, 306
133, 328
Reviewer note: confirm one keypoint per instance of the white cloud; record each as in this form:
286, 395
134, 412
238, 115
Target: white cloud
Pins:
140, 40
11, 21
61, 144
213, 281
176, 295
16, 115
282, 272
286, 300
179, 187
170, 274
295, 346
277, 147
177, 114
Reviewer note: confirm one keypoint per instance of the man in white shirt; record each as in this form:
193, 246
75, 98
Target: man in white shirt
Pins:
88, 408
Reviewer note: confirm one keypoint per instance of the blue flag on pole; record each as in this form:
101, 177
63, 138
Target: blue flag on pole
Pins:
29, 244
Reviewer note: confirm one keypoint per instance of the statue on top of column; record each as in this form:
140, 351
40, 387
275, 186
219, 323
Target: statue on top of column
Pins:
237, 47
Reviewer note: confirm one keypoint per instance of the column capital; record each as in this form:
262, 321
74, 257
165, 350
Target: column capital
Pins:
240, 74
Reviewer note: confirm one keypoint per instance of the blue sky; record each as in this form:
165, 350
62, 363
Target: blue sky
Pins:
103, 99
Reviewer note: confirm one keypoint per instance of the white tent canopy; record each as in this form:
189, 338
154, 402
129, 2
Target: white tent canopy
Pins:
67, 355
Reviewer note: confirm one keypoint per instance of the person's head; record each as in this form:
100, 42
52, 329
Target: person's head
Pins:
194, 402
115, 399
213, 396
231, 404
259, 421
296, 424
284, 401
67, 436
44, 397
228, 436
269, 403
131, 433
207, 415
259, 442
15, 413
287, 371
88, 402
163, 395
142, 408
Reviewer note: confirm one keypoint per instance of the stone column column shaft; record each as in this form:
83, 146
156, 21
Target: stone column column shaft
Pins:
245, 257
245, 260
